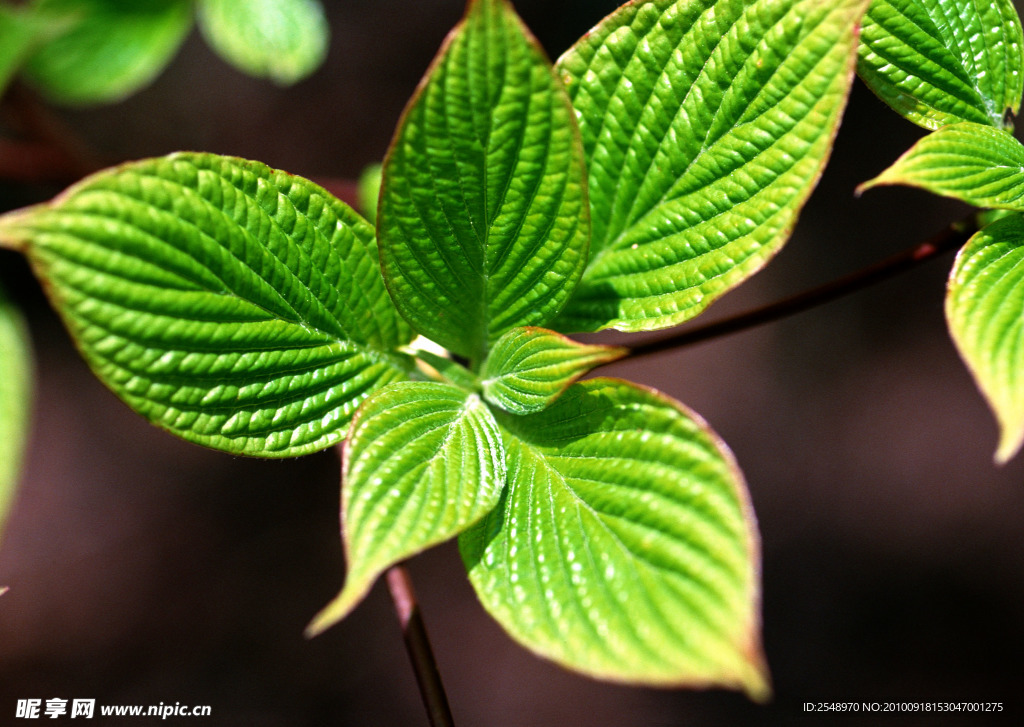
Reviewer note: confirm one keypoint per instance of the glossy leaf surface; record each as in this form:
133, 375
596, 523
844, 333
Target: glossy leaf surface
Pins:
529, 367
114, 49
937, 62
423, 462
976, 164
237, 306
706, 124
283, 40
624, 546
15, 394
483, 220
983, 308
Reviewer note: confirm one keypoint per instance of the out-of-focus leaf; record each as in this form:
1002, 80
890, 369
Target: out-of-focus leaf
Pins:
15, 395
369, 190
283, 40
19, 32
113, 49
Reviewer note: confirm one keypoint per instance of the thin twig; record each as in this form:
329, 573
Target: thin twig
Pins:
49, 151
414, 631
949, 239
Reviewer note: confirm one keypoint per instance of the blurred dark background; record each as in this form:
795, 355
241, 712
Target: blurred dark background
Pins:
146, 570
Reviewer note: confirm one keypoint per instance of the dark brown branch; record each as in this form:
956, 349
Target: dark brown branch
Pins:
47, 150
414, 631
946, 241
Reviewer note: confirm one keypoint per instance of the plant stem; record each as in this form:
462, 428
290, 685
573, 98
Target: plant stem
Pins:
50, 152
949, 239
414, 631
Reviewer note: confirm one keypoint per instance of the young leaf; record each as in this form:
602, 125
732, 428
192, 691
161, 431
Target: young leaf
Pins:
283, 40
529, 367
976, 164
483, 220
422, 463
706, 124
15, 393
451, 371
114, 49
624, 546
983, 308
937, 62
237, 306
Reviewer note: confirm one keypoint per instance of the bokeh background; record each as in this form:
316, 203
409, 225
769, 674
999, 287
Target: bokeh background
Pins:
146, 570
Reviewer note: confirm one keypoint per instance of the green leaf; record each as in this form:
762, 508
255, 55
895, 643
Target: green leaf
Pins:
983, 308
976, 164
624, 546
114, 49
15, 395
369, 190
937, 62
283, 40
422, 463
18, 35
706, 124
235, 305
483, 221
528, 368
454, 373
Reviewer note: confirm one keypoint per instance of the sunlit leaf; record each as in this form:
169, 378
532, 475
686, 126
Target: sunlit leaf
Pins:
529, 367
706, 124
624, 546
15, 393
483, 220
284, 40
984, 305
237, 306
422, 463
938, 62
977, 164
115, 48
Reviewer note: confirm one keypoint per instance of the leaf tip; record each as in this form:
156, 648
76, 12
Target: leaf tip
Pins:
1010, 442
350, 596
756, 681
870, 184
14, 236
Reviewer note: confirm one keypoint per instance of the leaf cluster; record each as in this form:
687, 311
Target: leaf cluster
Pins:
100, 51
656, 165
957, 69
